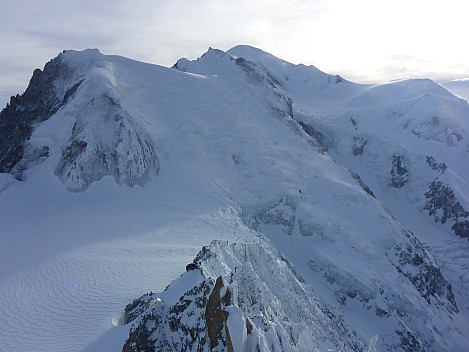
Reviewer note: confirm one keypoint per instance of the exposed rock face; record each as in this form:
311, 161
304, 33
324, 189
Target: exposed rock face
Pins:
362, 184
443, 206
317, 136
436, 166
180, 327
399, 176
461, 228
242, 309
256, 73
43, 97
414, 263
359, 144
216, 317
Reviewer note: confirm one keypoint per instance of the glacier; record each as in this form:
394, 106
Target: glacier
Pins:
332, 215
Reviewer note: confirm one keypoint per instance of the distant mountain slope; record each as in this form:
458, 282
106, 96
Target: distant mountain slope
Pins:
116, 173
459, 87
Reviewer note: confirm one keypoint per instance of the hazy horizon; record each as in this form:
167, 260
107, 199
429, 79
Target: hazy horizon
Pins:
364, 41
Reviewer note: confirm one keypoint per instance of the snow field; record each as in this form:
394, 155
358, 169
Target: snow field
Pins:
77, 297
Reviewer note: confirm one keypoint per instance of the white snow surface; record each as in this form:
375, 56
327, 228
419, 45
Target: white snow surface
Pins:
459, 87
227, 152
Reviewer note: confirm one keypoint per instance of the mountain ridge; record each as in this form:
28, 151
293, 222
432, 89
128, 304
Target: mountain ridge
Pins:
308, 160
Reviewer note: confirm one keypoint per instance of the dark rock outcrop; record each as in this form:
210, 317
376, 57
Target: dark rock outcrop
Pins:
215, 318
361, 183
443, 206
415, 264
158, 326
317, 136
38, 103
436, 166
399, 172
359, 144
257, 73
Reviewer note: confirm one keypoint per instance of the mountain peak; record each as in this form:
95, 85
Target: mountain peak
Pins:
248, 52
81, 56
320, 195
88, 52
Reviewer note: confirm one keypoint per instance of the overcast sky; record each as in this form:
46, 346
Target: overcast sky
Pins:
362, 40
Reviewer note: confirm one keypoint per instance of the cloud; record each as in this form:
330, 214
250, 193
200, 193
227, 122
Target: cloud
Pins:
361, 40
32, 32
404, 66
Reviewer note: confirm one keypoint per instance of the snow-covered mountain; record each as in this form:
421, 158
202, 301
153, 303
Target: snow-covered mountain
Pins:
322, 214
459, 87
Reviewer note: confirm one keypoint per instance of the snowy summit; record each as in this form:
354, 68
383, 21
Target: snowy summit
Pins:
236, 202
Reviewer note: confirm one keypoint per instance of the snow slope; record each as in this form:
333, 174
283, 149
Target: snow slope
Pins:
459, 87
146, 164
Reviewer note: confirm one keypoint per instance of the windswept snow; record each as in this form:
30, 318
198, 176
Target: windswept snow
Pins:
69, 286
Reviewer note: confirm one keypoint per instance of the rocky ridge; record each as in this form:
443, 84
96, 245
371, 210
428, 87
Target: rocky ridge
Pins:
44, 96
234, 305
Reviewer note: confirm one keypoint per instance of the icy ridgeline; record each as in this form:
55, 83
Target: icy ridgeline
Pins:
236, 297
105, 139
